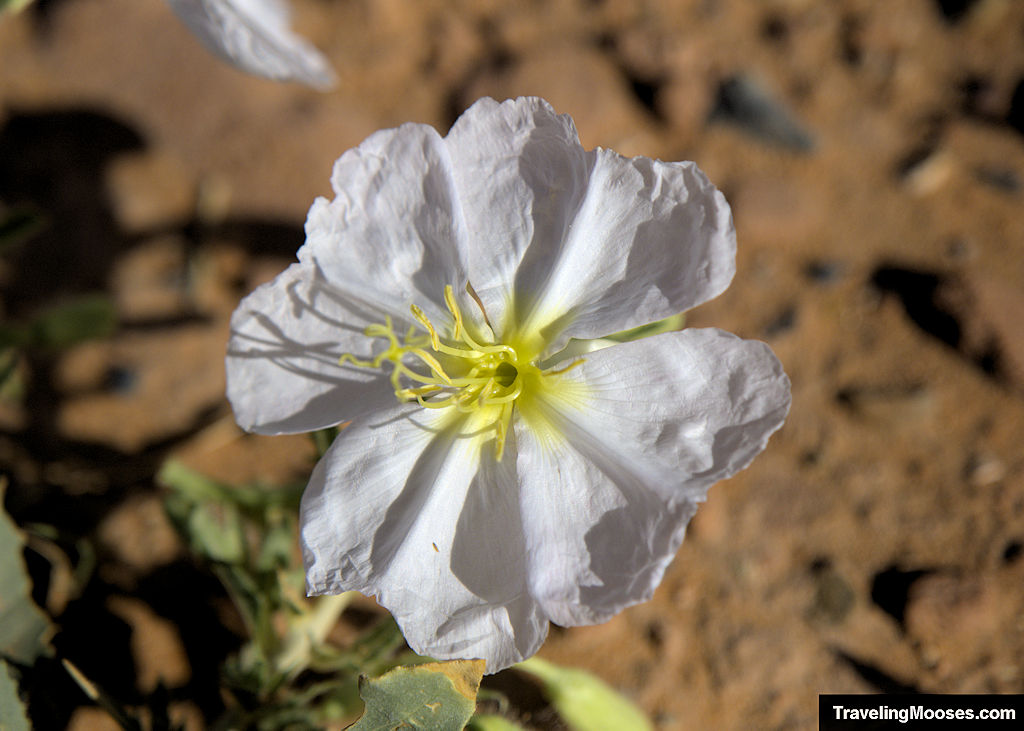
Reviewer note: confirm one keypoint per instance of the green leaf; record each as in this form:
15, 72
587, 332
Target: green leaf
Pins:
583, 701
203, 512
215, 531
323, 438
12, 381
24, 630
12, 712
492, 722
190, 484
440, 696
19, 224
276, 546
86, 318
14, 335
197, 488
13, 6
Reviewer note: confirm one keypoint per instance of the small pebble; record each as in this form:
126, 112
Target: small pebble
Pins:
824, 271
984, 470
1000, 178
748, 105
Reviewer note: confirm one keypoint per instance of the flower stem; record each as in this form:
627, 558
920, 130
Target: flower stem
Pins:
308, 631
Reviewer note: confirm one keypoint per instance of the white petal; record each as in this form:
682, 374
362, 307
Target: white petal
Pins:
585, 243
521, 174
391, 238
649, 240
663, 419
283, 374
402, 508
393, 235
598, 538
255, 36
699, 403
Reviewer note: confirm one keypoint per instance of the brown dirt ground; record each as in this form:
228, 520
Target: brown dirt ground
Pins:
875, 546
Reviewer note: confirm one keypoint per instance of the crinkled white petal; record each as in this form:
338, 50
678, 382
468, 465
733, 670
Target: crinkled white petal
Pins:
403, 508
394, 233
606, 505
393, 237
582, 243
287, 337
598, 538
649, 240
255, 36
521, 173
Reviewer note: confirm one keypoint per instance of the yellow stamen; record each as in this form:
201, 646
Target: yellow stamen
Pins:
482, 380
435, 341
453, 307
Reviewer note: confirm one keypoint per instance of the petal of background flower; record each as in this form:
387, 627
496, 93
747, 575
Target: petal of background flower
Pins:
254, 35
662, 420
583, 243
521, 174
283, 374
393, 235
403, 507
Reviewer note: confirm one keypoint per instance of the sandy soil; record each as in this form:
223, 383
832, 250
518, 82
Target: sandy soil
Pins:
874, 157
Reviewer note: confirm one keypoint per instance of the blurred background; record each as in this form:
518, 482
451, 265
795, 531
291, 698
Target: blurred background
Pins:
873, 154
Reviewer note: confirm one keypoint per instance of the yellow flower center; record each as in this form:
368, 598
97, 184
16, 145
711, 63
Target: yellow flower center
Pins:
460, 373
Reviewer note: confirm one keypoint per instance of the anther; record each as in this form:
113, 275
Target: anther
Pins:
461, 372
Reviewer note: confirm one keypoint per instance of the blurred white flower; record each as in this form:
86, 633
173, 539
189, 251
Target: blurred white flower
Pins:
488, 484
255, 36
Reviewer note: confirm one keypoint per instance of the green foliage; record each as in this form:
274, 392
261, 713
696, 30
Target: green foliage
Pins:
88, 317
67, 323
12, 386
215, 518
583, 701
13, 6
17, 225
247, 535
492, 722
24, 629
84, 318
287, 675
437, 696
323, 438
12, 712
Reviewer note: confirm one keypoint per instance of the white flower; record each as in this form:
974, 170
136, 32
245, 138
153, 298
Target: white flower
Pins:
255, 36
485, 485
